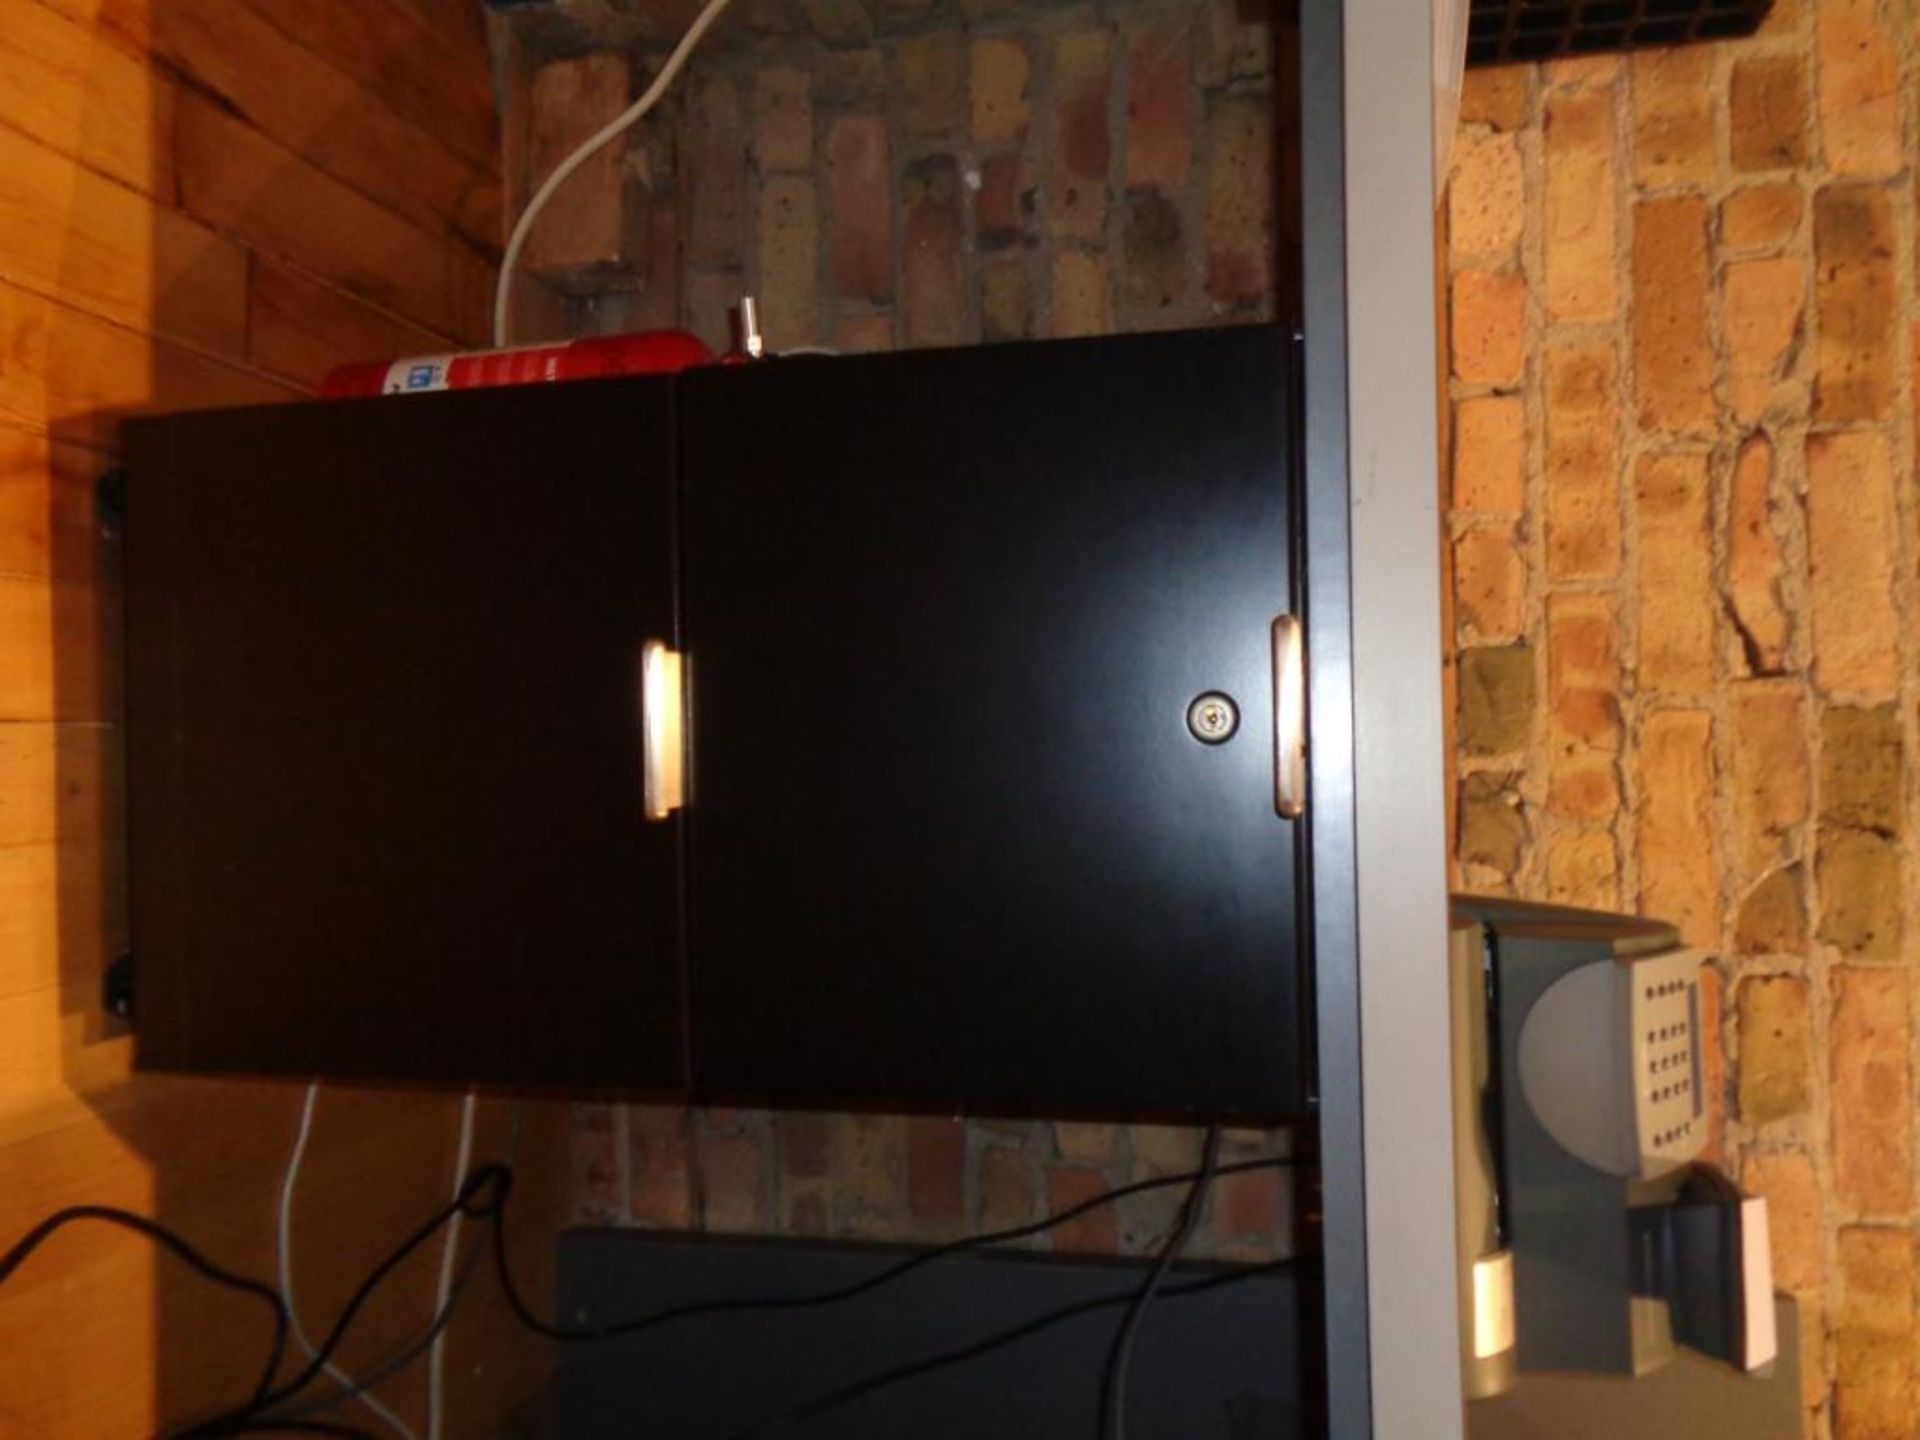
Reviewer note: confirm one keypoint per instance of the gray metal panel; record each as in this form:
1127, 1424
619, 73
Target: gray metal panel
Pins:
1398, 746
1330, 753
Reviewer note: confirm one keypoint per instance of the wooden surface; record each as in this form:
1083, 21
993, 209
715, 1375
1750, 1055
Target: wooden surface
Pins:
202, 202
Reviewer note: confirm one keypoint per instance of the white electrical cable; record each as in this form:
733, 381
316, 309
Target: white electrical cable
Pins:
288, 1183
517, 241
449, 1249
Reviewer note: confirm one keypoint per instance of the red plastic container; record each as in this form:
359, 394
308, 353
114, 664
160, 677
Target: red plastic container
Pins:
650, 352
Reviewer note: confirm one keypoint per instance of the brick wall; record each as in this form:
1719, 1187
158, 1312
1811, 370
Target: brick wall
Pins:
1682, 335
914, 173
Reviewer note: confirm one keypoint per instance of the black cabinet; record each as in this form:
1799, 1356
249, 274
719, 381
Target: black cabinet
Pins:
383, 757
950, 841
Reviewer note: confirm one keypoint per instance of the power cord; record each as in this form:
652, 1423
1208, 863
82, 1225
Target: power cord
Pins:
283, 1249
1114, 1396
517, 241
443, 1287
573, 1334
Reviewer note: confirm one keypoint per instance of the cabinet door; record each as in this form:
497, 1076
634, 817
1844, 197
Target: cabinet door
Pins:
952, 844
383, 738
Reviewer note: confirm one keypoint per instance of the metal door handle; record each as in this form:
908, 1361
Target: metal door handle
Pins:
663, 746
1289, 718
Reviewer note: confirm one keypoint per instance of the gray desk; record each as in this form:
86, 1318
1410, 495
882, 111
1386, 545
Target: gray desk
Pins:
1690, 1399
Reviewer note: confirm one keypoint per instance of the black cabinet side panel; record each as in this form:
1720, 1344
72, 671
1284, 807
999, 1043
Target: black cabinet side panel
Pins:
385, 799
951, 844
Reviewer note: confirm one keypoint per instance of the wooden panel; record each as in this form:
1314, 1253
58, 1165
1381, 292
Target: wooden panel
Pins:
380, 43
299, 328
77, 375
114, 252
86, 97
331, 118
271, 198
111, 303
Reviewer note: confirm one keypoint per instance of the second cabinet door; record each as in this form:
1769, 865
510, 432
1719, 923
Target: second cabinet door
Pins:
952, 844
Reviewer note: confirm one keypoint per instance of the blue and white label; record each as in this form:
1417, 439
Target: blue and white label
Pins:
417, 374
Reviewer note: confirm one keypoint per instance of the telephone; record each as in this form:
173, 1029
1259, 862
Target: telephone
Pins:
1591, 1236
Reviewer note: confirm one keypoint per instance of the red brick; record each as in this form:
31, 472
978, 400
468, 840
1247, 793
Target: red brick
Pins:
871, 1168
932, 82
1767, 112
716, 166
710, 297
805, 1212
1584, 785
999, 70
1678, 608
1251, 1205
1084, 1144
1489, 327
1082, 143
732, 1170
1583, 673
1776, 1048
932, 261
1771, 777
1673, 138
1159, 101
1873, 1335
789, 235
1754, 559
1583, 869
1095, 1233
1082, 294
1490, 582
839, 22
1861, 893
1855, 300
660, 1147
1581, 234
937, 1171
1583, 462
1673, 355
1762, 318
863, 334
1761, 217
1678, 882
1492, 828
1240, 199
806, 1145
860, 198
782, 119
1006, 299
594, 1143
1713, 1055
1495, 699
1009, 1188
1153, 255
1871, 1045
1860, 119
1582, 72
1003, 206
1863, 768
1489, 472
1496, 95
1851, 524
1486, 198
1165, 1149
584, 226
1773, 917
1794, 1216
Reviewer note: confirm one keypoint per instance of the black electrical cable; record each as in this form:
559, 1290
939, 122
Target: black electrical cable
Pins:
623, 1328
1114, 1393
174, 1245
482, 1197
913, 1369
302, 1427
408, 1354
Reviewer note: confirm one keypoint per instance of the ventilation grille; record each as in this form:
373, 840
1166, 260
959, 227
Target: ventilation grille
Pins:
1505, 30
